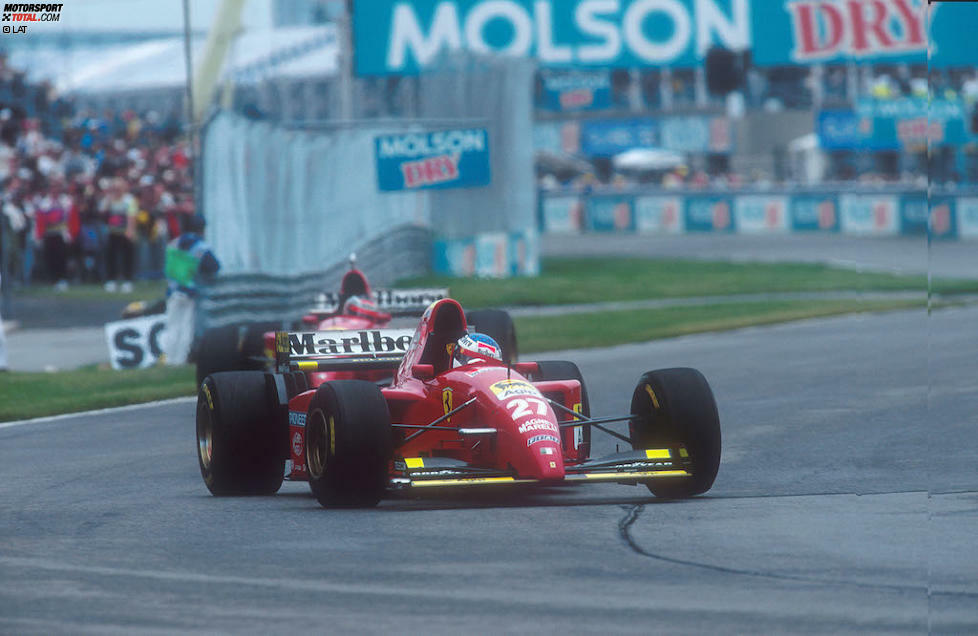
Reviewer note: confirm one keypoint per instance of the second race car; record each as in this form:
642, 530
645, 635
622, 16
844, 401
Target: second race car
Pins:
249, 346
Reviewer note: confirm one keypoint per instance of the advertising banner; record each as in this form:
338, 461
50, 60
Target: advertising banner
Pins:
659, 215
892, 124
709, 213
135, 343
869, 214
816, 31
490, 254
838, 130
392, 37
913, 213
568, 91
610, 214
432, 160
608, 137
757, 214
695, 134
814, 213
524, 253
966, 217
562, 215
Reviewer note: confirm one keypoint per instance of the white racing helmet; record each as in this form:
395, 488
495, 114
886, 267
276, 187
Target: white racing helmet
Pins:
476, 347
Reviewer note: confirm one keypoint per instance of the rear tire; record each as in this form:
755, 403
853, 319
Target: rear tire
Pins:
498, 325
239, 439
218, 351
683, 411
232, 348
349, 445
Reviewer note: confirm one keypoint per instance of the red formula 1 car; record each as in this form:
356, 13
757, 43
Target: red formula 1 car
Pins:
250, 346
436, 425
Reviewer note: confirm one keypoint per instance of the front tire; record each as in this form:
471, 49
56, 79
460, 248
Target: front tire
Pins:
676, 407
349, 445
239, 440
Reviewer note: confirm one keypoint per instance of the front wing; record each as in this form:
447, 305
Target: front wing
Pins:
632, 467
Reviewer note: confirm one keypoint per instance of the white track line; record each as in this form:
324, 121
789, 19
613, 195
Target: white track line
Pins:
116, 409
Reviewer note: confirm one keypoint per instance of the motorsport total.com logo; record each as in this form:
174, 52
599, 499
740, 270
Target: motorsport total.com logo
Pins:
29, 12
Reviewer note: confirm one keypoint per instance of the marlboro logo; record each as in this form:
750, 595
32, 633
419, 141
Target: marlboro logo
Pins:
342, 343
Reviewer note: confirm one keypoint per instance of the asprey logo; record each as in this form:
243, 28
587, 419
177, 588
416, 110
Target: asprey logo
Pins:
505, 389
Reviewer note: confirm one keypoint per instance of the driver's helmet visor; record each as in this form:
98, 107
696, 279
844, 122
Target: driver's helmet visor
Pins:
476, 347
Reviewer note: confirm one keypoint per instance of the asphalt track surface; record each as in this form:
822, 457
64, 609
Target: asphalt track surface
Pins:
847, 501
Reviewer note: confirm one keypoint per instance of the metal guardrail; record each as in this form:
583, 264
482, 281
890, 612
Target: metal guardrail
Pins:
253, 297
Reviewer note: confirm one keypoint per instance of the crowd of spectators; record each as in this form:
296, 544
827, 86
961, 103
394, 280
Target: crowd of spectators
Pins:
87, 197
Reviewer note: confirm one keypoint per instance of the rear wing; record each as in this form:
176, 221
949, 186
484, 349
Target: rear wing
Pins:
397, 302
341, 350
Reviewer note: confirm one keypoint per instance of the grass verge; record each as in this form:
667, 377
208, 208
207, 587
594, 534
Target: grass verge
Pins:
26, 395
580, 280
607, 328
141, 290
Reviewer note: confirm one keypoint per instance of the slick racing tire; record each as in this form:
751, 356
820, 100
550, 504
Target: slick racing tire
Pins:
232, 348
565, 370
676, 406
349, 444
498, 325
218, 351
240, 442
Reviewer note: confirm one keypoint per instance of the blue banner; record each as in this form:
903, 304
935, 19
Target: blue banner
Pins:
814, 213
575, 90
695, 133
838, 130
394, 37
892, 124
433, 160
707, 213
403, 38
610, 214
608, 137
913, 214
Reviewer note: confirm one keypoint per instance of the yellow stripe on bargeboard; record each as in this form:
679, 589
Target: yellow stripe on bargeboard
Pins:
477, 481
627, 476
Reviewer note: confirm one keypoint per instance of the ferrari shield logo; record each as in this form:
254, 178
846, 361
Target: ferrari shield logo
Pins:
446, 401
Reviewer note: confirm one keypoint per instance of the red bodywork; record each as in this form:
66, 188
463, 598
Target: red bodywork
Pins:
526, 439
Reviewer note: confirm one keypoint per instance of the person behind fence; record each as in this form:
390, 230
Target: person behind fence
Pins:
189, 262
119, 209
